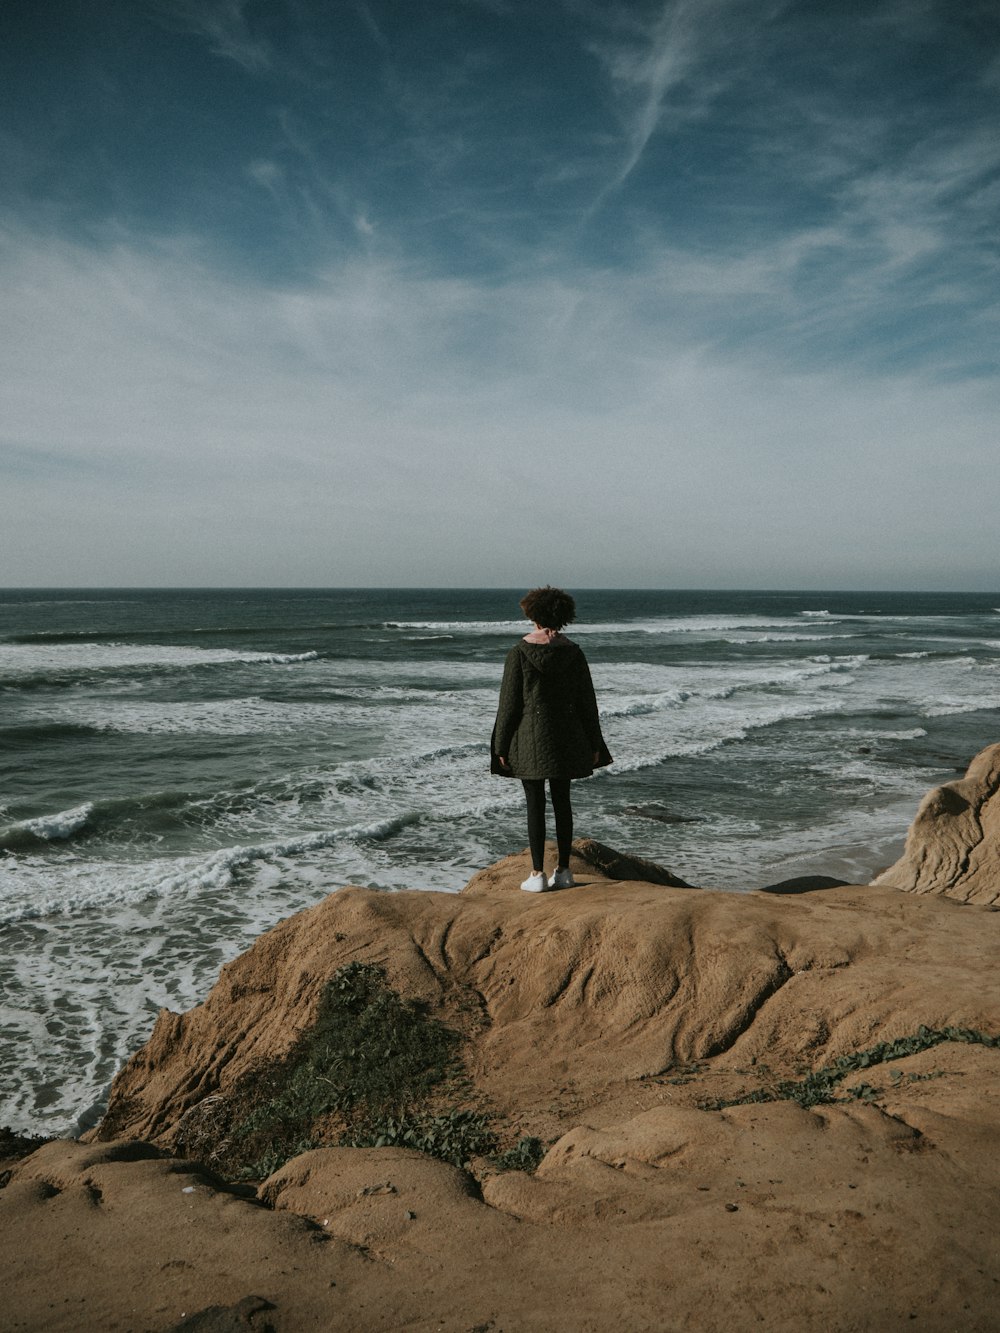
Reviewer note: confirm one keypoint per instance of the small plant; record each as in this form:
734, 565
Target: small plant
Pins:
680, 1073
821, 1086
454, 1136
371, 1057
525, 1155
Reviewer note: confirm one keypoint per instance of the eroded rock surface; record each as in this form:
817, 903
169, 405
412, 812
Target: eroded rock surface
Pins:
607, 1020
953, 846
567, 995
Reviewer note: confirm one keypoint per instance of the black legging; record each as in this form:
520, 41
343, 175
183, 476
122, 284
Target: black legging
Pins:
534, 794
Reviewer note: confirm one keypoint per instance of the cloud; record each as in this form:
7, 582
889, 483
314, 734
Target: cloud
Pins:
383, 336
373, 29
223, 24
383, 424
669, 69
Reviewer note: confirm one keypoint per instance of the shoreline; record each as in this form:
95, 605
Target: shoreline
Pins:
695, 1106
818, 867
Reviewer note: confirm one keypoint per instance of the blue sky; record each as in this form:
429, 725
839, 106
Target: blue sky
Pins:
696, 293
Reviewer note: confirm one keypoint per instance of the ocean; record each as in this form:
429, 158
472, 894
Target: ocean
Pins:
179, 770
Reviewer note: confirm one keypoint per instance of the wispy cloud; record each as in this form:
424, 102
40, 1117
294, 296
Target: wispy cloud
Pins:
380, 395
669, 70
224, 25
386, 310
373, 29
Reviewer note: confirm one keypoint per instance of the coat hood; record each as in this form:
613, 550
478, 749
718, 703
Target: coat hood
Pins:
548, 658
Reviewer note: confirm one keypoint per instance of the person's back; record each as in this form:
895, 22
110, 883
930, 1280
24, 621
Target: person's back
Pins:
547, 726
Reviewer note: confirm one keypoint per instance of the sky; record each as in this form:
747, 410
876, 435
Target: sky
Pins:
686, 293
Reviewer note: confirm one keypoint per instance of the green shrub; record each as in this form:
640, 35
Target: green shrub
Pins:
370, 1057
454, 1136
525, 1155
821, 1085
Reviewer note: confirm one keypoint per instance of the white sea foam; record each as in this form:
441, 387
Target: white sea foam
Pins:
210, 717
21, 659
695, 625
763, 637
387, 784
887, 734
450, 627
73, 601
31, 890
51, 828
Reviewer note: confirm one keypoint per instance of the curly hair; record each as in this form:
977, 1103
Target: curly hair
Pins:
549, 607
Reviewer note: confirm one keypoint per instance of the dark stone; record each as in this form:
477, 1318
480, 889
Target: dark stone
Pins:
619, 865
804, 884
249, 1313
661, 814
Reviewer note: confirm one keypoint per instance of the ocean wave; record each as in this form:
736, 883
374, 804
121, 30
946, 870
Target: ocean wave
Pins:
764, 637
286, 659
643, 707
451, 627
709, 733
188, 875
946, 707
703, 624
113, 817
386, 708
32, 661
56, 827
72, 601
909, 734
246, 716
29, 733
153, 636
632, 705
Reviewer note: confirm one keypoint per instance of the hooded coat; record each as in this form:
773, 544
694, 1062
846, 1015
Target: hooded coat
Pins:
547, 722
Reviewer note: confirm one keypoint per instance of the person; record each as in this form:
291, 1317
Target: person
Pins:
547, 727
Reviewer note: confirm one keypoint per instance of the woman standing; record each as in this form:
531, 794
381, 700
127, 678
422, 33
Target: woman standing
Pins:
547, 727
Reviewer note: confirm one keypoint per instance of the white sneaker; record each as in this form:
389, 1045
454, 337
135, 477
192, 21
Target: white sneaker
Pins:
562, 878
535, 883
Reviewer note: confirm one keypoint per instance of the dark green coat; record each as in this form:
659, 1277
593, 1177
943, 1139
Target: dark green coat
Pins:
547, 724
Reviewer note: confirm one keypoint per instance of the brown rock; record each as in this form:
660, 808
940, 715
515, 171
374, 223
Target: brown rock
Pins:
602, 1017
953, 846
250, 1313
580, 990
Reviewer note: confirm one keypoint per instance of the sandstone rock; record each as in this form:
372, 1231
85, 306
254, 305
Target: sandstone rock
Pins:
604, 1019
953, 846
573, 992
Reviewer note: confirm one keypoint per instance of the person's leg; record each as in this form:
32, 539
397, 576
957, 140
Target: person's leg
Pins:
563, 811
534, 795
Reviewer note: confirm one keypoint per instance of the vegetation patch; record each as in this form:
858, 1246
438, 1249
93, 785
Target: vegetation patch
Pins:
455, 1135
677, 1073
374, 1070
822, 1085
525, 1155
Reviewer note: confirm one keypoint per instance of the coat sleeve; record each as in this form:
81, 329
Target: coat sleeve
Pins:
586, 704
509, 709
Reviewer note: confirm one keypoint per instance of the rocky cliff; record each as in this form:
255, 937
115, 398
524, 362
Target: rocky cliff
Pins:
953, 846
759, 1109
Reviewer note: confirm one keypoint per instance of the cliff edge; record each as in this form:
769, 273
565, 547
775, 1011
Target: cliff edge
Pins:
641, 1106
953, 846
